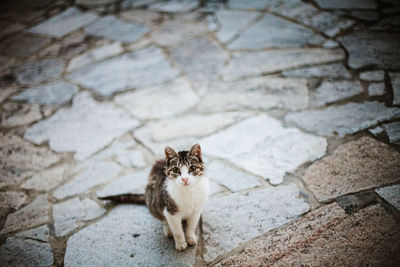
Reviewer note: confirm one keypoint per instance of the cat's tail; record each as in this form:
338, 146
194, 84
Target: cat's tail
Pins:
126, 198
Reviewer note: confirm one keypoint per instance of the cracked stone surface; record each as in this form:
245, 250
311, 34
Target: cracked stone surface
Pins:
12, 199
23, 46
17, 114
333, 71
330, 92
41, 233
77, 128
354, 166
222, 234
395, 80
48, 179
39, 71
391, 194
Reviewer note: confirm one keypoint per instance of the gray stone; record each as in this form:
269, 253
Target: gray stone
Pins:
175, 6
365, 15
393, 132
68, 214
64, 23
245, 145
232, 21
6, 92
231, 220
112, 28
41, 233
232, 178
263, 93
256, 63
79, 129
377, 75
347, 4
91, 3
90, 175
140, 238
39, 71
330, 44
145, 67
134, 183
254, 4
376, 89
345, 119
176, 97
395, 80
146, 17
34, 214
48, 179
273, 31
378, 49
387, 23
330, 92
17, 114
17, 252
391, 194
57, 92
23, 45
12, 199
376, 131
332, 71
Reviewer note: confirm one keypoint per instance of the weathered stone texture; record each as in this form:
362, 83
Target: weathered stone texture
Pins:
391, 194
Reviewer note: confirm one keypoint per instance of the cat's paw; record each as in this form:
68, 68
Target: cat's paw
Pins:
181, 246
191, 240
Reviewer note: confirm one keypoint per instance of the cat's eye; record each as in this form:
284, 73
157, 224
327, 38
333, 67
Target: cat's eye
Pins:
176, 170
192, 168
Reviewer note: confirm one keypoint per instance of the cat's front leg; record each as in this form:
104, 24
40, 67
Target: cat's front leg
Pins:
191, 224
175, 224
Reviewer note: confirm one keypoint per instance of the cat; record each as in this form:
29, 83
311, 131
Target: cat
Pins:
176, 191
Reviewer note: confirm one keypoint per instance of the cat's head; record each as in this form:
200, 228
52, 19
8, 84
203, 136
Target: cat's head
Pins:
185, 168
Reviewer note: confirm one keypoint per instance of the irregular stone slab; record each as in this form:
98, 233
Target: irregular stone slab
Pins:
354, 166
145, 67
377, 75
57, 92
64, 23
112, 28
347, 4
273, 31
376, 131
330, 92
67, 214
391, 194
149, 18
344, 119
17, 252
253, 217
134, 183
393, 132
94, 56
244, 144
23, 45
355, 202
79, 129
377, 49
231, 22
232, 178
12, 199
330, 44
91, 174
17, 114
327, 235
376, 89
91, 3
34, 214
175, 6
176, 97
142, 242
256, 63
333, 71
48, 179
20, 159
395, 80
261, 93
39, 71
254, 4
41, 233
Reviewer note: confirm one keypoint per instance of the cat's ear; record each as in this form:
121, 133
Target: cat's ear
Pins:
169, 153
195, 151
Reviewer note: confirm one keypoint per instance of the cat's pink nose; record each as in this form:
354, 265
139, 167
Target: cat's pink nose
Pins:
185, 180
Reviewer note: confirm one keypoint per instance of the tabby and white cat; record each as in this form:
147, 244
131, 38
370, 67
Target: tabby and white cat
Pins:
176, 191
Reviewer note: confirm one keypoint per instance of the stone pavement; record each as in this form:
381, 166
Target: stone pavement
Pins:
296, 105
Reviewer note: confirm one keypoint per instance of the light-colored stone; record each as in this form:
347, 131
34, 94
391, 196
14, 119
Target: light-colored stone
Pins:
354, 166
57, 92
39, 71
377, 75
391, 194
145, 67
231, 220
64, 23
17, 114
6, 92
254, 4
110, 27
23, 45
78, 128
376, 89
333, 71
41, 233
34, 214
344, 119
11, 199
68, 214
330, 92
176, 97
330, 44
393, 132
395, 80
256, 63
175, 6
48, 179
90, 174
347, 4
261, 145
141, 16
134, 238
376, 131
